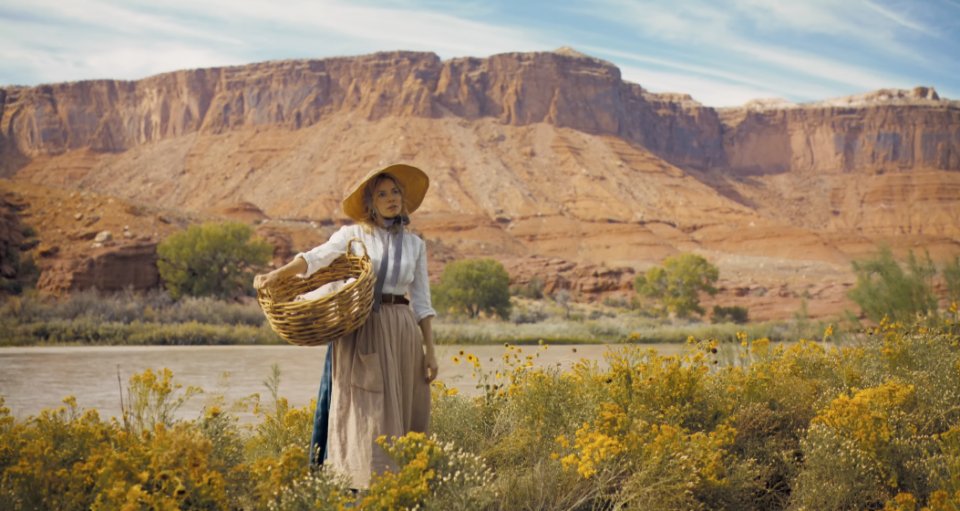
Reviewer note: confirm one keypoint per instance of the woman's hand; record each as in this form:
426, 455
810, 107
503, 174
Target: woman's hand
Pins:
430, 366
265, 280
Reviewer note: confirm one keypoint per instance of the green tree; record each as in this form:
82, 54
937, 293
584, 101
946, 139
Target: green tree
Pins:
678, 284
212, 259
472, 287
884, 289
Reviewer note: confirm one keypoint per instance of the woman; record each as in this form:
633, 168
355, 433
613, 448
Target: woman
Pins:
380, 374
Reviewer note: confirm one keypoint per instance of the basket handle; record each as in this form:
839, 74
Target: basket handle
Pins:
361, 244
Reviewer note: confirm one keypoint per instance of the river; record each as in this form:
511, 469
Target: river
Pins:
35, 378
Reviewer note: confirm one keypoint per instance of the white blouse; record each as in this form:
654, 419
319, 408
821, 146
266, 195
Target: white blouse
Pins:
413, 264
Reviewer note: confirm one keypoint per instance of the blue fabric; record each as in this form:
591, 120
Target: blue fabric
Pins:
321, 419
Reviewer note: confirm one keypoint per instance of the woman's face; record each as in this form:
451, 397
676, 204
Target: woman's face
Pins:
387, 198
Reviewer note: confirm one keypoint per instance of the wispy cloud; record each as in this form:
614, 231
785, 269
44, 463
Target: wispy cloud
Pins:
896, 18
721, 51
815, 66
397, 26
733, 79
707, 91
119, 18
98, 38
813, 44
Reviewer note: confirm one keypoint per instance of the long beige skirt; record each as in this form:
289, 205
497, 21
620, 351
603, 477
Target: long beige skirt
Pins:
379, 388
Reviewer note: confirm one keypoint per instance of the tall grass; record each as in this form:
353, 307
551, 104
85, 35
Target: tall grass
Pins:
129, 318
606, 329
154, 318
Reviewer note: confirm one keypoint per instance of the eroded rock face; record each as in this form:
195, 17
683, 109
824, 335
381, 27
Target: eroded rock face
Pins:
560, 88
557, 274
107, 269
863, 138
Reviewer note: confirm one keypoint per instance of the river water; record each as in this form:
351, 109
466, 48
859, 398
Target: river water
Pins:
35, 378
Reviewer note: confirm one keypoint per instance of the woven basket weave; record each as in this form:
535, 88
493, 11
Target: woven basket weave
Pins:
325, 319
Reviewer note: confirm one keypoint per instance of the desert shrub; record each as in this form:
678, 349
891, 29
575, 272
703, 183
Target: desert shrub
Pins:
951, 276
527, 312
678, 284
884, 290
319, 491
71, 459
532, 290
154, 399
472, 287
734, 314
432, 476
619, 302
212, 260
281, 426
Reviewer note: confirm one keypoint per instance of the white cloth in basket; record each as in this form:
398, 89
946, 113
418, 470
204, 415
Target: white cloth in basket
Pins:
324, 290
413, 268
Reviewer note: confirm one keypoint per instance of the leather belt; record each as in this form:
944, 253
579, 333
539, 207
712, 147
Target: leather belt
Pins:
395, 299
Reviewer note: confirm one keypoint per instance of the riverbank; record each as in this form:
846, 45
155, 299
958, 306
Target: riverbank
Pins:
154, 319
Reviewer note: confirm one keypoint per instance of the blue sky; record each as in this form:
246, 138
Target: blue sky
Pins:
722, 52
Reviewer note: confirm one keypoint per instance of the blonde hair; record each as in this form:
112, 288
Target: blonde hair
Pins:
369, 219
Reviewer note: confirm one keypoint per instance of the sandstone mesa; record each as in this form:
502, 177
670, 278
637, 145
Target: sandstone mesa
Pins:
549, 162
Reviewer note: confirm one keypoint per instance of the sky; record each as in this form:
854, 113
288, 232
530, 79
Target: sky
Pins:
722, 52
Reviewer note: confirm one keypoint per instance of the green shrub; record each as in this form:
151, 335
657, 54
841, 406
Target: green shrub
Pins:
678, 284
472, 287
734, 314
884, 290
533, 290
212, 260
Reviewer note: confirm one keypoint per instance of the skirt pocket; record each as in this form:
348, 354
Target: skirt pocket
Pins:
367, 373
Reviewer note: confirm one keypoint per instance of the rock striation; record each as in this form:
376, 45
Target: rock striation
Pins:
114, 268
562, 88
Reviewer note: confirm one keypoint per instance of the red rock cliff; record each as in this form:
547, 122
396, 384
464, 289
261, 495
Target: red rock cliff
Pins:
563, 88
880, 131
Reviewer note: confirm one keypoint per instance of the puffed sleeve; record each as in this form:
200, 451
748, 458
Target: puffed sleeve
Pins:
420, 287
321, 256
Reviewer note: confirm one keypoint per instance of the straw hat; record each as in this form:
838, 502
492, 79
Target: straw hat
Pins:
413, 179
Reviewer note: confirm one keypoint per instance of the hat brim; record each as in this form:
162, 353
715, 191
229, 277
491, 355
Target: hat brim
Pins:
414, 180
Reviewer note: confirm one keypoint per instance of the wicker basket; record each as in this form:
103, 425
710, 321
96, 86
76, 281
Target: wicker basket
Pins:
325, 319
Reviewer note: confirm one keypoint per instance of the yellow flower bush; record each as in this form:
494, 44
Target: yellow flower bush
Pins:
868, 420
869, 416
431, 475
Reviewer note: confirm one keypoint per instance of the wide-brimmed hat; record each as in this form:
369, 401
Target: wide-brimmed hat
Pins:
414, 180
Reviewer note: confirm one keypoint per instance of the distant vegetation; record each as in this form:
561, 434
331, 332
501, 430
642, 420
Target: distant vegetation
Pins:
472, 287
743, 425
678, 283
130, 318
476, 307
884, 289
734, 314
212, 260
